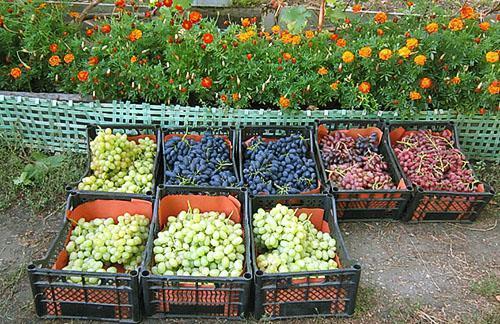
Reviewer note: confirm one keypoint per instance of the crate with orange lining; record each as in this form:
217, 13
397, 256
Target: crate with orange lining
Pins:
278, 160
290, 280
446, 188
200, 156
198, 263
122, 158
356, 163
91, 271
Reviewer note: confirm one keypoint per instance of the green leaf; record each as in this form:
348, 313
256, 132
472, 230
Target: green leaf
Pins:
295, 18
183, 3
335, 14
36, 172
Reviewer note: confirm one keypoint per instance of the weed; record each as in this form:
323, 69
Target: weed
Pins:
488, 286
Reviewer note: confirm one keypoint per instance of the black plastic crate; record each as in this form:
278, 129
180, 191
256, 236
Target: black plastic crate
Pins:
190, 296
367, 205
115, 298
227, 132
438, 206
277, 132
309, 293
132, 131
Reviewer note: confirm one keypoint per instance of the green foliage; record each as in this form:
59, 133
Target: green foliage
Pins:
487, 287
295, 18
36, 171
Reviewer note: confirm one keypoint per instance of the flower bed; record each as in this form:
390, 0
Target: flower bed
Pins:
404, 64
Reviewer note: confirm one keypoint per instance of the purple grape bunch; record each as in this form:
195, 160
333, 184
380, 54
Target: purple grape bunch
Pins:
431, 161
354, 163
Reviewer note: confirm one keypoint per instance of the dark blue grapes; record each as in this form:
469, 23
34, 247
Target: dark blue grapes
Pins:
279, 167
203, 163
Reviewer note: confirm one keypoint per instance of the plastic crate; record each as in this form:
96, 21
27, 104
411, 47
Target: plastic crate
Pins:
228, 133
310, 293
436, 206
274, 133
189, 296
133, 132
115, 298
367, 205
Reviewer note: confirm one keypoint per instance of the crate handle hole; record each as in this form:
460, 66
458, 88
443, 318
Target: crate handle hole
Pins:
31, 266
259, 273
419, 189
149, 193
357, 267
492, 191
134, 273
335, 189
145, 273
69, 188
161, 186
247, 275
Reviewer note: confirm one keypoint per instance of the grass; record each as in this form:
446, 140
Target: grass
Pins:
488, 286
366, 300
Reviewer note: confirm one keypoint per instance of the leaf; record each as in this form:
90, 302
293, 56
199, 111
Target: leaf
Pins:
36, 172
295, 18
183, 3
335, 14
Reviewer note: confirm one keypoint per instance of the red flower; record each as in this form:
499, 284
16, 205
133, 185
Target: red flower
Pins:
365, 87
89, 32
83, 76
195, 17
168, 3
206, 82
249, 56
208, 38
106, 29
120, 3
53, 48
93, 61
187, 25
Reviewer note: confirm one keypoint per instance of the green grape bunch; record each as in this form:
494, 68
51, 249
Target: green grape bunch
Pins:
290, 243
119, 164
199, 244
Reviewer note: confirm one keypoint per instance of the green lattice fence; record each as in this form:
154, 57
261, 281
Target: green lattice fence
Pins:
60, 125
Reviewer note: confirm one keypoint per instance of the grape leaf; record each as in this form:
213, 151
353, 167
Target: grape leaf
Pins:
295, 18
41, 166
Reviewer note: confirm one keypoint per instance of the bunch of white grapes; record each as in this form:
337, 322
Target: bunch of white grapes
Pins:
120, 165
199, 244
291, 243
97, 245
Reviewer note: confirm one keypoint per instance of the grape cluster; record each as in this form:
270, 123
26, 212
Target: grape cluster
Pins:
96, 245
199, 244
355, 164
120, 165
202, 163
288, 243
279, 167
431, 161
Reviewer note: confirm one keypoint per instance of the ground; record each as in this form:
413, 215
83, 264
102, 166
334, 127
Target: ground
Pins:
426, 273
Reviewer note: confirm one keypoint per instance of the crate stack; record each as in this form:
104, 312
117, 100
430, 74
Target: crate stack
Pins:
239, 185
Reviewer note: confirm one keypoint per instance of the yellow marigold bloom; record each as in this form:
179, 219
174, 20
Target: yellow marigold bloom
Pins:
347, 57
286, 38
309, 34
432, 27
420, 60
385, 54
296, 40
322, 71
276, 29
456, 24
284, 102
412, 43
414, 95
335, 85
404, 52
492, 57
365, 52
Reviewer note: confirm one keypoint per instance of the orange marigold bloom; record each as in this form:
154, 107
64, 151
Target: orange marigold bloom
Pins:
83, 76
357, 8
68, 58
484, 26
409, 3
16, 73
309, 34
420, 60
341, 42
133, 59
425, 83
284, 102
492, 57
494, 87
276, 29
455, 80
404, 52
187, 24
365, 87
245, 22
54, 60
236, 96
380, 32
347, 57
208, 38
322, 71
365, 52
432, 27
135, 35
287, 56
93, 61
335, 85
385, 54
296, 40
53, 48
456, 24
223, 98
195, 17
380, 17
120, 3
412, 43
74, 14
414, 95
467, 12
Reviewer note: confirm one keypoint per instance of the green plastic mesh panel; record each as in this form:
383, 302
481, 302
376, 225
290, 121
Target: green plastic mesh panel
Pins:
60, 125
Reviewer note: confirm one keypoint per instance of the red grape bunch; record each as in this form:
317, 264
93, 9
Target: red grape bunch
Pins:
432, 162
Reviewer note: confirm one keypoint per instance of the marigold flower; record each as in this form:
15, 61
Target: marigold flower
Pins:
484, 26
54, 60
456, 24
365, 52
206, 82
455, 80
385, 54
284, 102
223, 98
404, 52
341, 42
432, 27
335, 85
309, 34
357, 8
93, 61
492, 57
135, 35
106, 29
68, 58
276, 29
120, 3
347, 57
16, 73
409, 3
380, 17
334, 37
236, 96
414, 95
133, 59
195, 17
287, 56
365, 87
425, 83
412, 43
187, 25
467, 12
493, 88
420, 60
380, 32
208, 38
53, 48
286, 38
245, 22
74, 14
83, 76
89, 32
296, 40
322, 71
